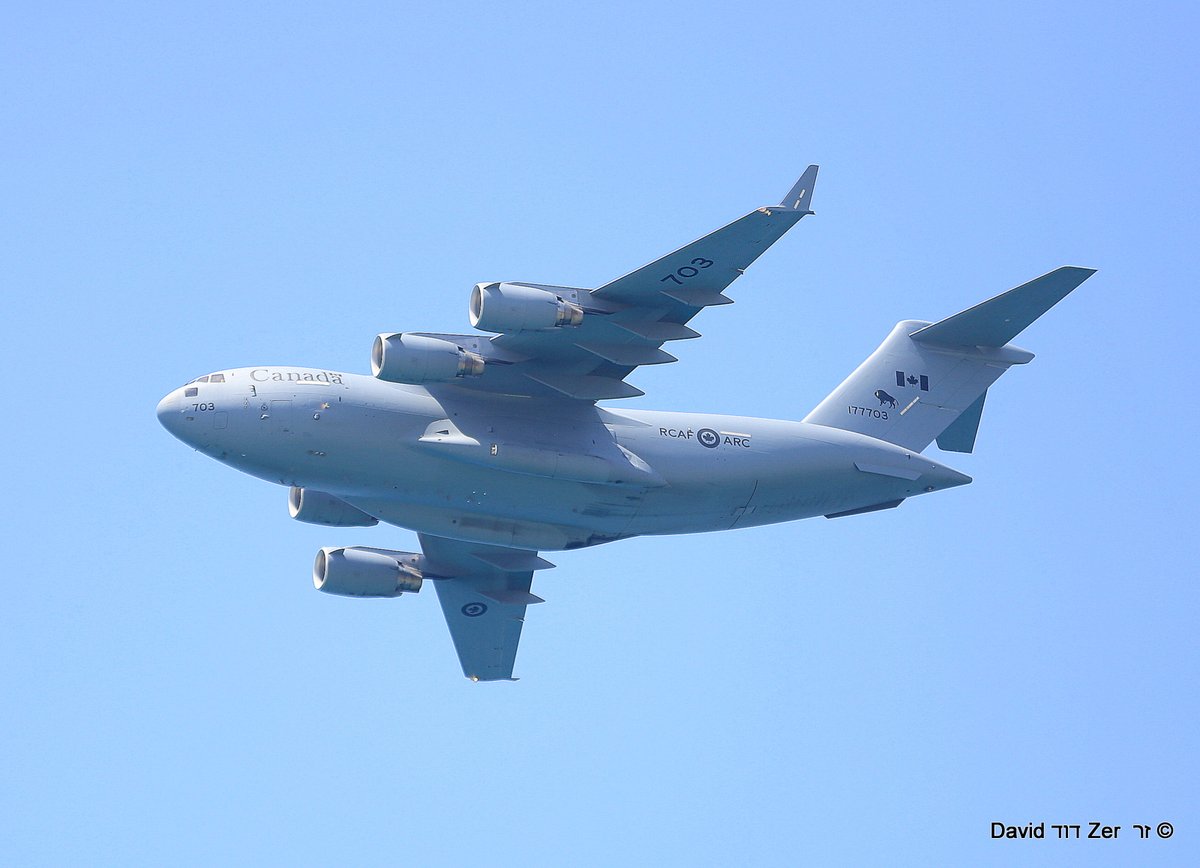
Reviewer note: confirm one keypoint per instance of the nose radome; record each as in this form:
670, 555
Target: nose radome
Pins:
168, 411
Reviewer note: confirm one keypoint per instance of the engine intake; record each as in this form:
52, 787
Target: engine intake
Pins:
510, 307
360, 572
417, 359
317, 507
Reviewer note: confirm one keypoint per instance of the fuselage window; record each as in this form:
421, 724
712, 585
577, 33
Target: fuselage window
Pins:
190, 392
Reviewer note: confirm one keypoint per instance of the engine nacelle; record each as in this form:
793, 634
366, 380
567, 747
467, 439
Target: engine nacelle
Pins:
416, 359
509, 307
317, 507
359, 572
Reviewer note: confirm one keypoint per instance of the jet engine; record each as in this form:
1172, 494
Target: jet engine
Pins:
510, 307
317, 507
361, 572
416, 359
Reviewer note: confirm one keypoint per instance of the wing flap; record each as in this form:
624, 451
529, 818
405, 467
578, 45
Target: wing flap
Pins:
512, 596
511, 560
587, 388
656, 331
698, 297
629, 354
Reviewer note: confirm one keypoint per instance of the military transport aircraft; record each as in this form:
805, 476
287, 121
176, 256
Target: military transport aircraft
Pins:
493, 447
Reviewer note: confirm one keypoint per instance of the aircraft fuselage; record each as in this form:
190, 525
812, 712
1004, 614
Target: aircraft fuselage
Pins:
516, 472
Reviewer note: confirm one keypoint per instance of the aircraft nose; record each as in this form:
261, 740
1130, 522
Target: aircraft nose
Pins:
168, 411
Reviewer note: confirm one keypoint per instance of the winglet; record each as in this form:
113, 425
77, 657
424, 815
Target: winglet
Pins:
800, 196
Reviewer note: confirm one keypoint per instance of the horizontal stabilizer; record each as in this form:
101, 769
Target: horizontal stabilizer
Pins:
998, 320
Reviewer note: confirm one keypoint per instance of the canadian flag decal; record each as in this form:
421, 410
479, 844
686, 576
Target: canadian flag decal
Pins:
903, 379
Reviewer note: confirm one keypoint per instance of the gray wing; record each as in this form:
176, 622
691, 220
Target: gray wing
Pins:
626, 321
483, 590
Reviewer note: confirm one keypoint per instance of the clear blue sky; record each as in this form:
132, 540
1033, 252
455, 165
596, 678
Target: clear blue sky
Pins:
192, 186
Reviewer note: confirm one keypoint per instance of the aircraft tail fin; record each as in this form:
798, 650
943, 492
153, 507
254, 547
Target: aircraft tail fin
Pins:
928, 381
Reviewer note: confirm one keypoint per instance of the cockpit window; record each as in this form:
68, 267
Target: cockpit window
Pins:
217, 378
190, 392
